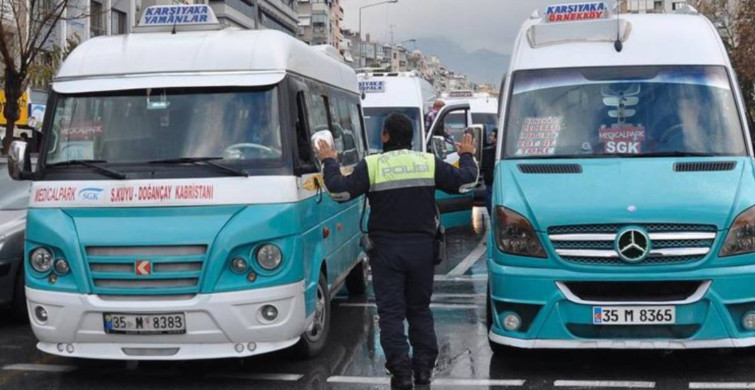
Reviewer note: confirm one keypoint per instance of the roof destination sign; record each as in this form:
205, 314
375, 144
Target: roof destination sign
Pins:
177, 15
576, 11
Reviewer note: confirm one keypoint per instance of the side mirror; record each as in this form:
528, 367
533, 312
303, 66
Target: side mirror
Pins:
439, 147
19, 163
322, 135
478, 132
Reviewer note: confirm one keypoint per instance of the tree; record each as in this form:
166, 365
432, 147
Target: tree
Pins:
45, 67
25, 28
735, 20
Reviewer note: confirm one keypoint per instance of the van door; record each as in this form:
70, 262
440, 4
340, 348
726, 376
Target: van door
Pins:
455, 210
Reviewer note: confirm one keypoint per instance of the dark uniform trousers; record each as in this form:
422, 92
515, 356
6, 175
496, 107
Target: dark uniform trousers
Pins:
402, 275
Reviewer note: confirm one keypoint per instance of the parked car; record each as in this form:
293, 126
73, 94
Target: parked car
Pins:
14, 197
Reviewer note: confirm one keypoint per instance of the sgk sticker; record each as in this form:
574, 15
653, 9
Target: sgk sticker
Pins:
624, 139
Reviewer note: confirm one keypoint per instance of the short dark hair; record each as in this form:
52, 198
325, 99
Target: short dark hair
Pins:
400, 128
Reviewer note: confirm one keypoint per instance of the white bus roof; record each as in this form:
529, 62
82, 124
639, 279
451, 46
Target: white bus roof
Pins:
480, 103
648, 39
405, 89
228, 57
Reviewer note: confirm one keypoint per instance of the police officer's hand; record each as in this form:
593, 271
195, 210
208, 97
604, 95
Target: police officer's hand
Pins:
466, 145
324, 151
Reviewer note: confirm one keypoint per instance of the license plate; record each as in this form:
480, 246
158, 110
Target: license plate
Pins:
145, 324
633, 315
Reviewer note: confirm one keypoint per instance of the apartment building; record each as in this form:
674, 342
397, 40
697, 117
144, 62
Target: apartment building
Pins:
320, 22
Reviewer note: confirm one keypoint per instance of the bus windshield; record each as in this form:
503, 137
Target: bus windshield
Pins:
648, 111
374, 118
137, 126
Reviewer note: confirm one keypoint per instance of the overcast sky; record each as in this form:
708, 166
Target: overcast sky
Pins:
474, 24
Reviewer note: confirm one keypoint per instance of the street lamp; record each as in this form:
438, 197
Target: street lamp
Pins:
413, 41
368, 6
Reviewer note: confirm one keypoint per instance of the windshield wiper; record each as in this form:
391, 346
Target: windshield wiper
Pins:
93, 164
202, 161
668, 154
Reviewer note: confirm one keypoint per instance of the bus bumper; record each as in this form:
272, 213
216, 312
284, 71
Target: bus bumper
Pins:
219, 325
553, 316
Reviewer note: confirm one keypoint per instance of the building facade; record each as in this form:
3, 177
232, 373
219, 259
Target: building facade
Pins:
256, 14
652, 6
320, 22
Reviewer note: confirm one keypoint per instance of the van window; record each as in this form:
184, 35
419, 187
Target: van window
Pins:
373, 121
318, 112
345, 132
625, 111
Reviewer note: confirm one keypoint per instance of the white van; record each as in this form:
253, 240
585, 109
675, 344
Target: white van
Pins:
385, 93
410, 94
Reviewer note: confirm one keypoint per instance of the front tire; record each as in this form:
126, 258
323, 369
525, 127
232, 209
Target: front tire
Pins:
19, 311
313, 341
357, 280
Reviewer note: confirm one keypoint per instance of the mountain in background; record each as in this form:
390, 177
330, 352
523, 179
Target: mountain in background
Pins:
482, 66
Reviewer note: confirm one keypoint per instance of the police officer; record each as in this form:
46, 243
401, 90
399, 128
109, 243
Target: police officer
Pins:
400, 185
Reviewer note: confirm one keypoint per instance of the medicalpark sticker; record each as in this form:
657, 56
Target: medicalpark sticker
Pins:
622, 139
124, 195
173, 192
539, 136
578, 11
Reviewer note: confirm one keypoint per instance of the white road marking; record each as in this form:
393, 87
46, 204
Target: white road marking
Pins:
364, 380
441, 306
40, 367
605, 384
369, 380
259, 377
458, 296
468, 261
722, 385
464, 279
478, 382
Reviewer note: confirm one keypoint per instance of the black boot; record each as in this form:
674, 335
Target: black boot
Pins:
423, 377
401, 382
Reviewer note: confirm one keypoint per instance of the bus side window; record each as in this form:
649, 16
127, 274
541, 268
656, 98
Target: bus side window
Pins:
356, 125
306, 163
343, 130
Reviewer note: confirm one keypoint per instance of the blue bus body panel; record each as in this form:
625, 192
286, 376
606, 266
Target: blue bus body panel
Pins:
622, 192
308, 233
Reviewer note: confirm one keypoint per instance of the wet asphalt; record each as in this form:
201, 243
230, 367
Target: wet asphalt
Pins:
354, 359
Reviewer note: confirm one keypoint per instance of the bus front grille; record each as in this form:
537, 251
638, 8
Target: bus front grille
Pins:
670, 244
146, 270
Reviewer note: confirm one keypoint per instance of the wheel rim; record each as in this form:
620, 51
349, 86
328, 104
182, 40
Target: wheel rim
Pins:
318, 327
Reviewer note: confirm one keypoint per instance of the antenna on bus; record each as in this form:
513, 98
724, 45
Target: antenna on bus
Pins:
618, 45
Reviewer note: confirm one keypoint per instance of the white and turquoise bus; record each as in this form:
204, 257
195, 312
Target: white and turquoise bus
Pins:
176, 211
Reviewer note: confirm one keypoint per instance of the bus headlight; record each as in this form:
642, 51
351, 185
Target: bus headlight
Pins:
41, 260
269, 257
741, 237
515, 235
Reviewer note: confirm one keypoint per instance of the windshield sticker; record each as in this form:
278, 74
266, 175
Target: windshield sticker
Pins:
622, 139
79, 150
539, 136
81, 130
